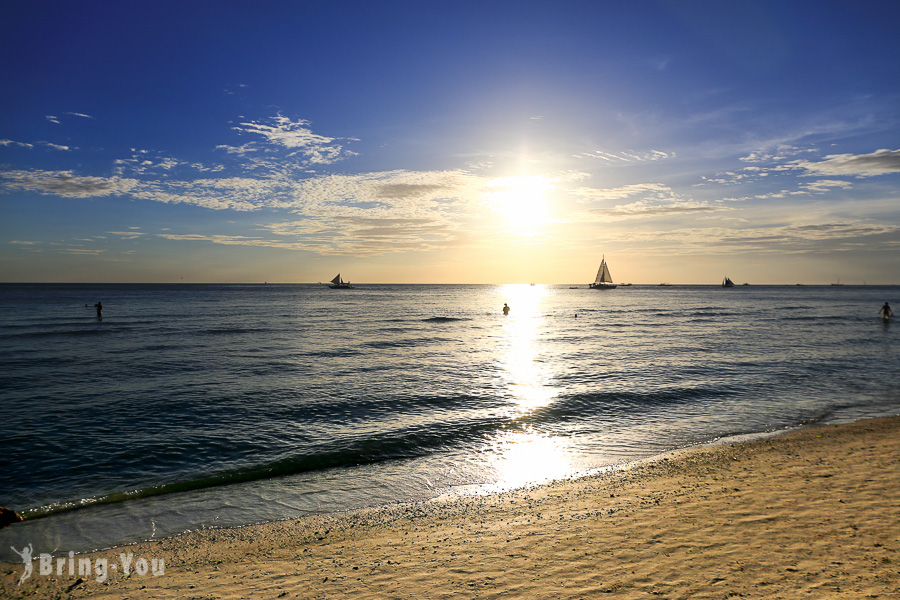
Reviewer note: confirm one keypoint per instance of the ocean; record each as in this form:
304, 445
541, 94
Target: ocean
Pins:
190, 406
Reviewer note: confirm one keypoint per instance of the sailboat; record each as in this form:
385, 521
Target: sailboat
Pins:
339, 284
604, 279
727, 282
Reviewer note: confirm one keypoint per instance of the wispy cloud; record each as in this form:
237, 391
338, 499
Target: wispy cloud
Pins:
374, 193
49, 145
128, 235
648, 209
627, 156
57, 120
83, 251
625, 191
377, 213
234, 89
229, 240
13, 143
294, 136
55, 146
342, 237
366, 236
825, 185
366, 214
806, 237
826, 237
653, 200
880, 162
147, 162
777, 153
65, 184
231, 193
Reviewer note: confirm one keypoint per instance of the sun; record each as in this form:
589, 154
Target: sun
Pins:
521, 200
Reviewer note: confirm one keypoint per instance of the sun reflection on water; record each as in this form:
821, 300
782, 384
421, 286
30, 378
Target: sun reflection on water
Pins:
527, 377
526, 456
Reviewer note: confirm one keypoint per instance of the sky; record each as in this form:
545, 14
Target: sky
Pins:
450, 142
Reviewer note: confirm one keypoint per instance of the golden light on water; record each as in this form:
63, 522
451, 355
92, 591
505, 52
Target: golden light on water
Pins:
529, 457
523, 457
521, 200
527, 377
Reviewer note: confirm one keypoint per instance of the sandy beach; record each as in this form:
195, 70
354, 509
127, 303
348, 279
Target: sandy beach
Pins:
814, 513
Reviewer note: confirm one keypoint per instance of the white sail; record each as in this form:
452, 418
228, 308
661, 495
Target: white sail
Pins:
604, 280
603, 275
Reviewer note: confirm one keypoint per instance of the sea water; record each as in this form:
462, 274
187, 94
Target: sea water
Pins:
190, 406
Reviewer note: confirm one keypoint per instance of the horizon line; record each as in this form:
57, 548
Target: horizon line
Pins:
262, 283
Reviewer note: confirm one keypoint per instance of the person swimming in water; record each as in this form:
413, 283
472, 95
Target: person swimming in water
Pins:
99, 307
886, 312
505, 308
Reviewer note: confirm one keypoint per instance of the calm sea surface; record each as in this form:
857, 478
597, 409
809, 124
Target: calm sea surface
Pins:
216, 405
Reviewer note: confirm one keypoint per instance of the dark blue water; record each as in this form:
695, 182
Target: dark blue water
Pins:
196, 405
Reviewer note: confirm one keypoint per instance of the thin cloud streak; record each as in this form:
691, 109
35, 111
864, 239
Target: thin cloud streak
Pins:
880, 162
66, 184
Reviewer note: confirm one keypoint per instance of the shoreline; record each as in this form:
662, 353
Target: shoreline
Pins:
451, 492
812, 510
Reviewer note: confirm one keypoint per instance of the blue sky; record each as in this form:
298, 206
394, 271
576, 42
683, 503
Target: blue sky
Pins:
490, 142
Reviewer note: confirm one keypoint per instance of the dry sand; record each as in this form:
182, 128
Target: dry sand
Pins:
810, 514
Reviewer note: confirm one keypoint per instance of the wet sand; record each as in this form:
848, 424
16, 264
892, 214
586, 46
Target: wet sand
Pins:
814, 513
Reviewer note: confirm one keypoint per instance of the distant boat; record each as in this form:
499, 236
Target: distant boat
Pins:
838, 282
604, 279
339, 284
727, 282
665, 285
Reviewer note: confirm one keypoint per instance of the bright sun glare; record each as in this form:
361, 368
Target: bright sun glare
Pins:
529, 381
522, 200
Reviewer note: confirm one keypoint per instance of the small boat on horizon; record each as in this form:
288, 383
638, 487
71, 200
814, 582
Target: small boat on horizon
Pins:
604, 279
727, 282
339, 284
